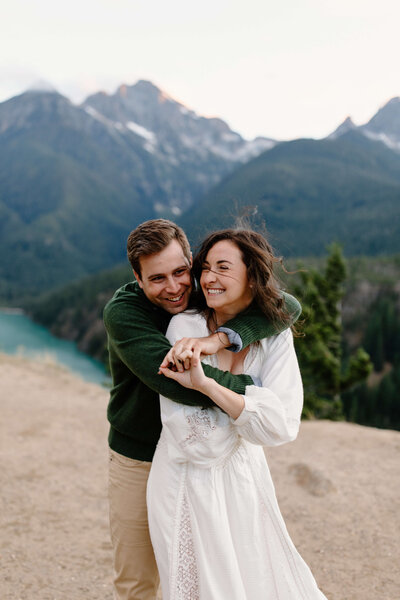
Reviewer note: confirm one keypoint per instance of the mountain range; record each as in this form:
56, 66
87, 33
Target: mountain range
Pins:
74, 180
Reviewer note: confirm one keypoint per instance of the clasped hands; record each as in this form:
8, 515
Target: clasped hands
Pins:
183, 362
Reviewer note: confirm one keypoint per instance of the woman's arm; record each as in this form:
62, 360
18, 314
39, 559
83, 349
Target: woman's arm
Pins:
268, 415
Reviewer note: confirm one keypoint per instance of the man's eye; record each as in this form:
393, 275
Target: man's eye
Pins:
157, 278
180, 272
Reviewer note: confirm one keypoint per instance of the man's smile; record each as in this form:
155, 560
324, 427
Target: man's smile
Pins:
176, 298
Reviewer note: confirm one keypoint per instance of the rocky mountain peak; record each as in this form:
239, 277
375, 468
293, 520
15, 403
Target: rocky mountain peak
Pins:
387, 119
385, 125
142, 89
343, 128
33, 107
170, 129
41, 85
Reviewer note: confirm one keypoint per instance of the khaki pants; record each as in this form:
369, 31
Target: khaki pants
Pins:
135, 569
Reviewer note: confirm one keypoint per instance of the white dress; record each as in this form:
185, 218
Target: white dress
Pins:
215, 523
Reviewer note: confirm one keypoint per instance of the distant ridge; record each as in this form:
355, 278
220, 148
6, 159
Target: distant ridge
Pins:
311, 193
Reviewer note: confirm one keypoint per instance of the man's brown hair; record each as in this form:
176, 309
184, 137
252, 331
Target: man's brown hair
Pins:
153, 236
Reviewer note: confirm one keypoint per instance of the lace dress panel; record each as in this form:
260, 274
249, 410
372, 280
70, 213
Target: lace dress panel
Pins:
200, 424
187, 581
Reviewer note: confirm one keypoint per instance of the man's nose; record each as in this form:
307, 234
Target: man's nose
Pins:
172, 285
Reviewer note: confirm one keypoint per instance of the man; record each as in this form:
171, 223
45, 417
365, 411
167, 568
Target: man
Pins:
136, 319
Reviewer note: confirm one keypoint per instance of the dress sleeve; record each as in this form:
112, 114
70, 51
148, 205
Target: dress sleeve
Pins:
272, 413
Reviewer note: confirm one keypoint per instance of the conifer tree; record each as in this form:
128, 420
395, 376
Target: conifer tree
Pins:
319, 350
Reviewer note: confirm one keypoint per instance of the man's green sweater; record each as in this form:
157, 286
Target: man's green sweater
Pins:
137, 345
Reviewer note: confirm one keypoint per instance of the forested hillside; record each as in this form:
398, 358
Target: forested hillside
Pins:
311, 193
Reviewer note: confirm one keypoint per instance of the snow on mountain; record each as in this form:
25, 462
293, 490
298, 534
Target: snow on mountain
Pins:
142, 131
152, 114
389, 140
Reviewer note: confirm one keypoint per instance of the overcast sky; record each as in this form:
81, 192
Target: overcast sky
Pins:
278, 68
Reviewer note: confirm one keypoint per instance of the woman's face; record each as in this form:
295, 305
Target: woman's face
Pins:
224, 279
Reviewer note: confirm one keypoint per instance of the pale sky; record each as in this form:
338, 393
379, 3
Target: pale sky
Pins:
278, 68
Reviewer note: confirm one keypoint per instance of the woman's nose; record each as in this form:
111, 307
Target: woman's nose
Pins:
208, 276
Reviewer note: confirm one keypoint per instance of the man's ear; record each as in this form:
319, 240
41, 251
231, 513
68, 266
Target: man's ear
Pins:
138, 279
191, 260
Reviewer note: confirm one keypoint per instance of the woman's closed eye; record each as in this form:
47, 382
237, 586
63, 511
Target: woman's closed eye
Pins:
206, 268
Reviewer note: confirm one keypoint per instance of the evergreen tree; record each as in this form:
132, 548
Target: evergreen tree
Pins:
319, 350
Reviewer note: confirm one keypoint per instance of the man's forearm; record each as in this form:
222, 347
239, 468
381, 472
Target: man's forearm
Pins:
146, 369
252, 325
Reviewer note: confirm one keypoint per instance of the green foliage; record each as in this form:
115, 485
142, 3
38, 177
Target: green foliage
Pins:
320, 351
75, 311
382, 335
377, 406
359, 367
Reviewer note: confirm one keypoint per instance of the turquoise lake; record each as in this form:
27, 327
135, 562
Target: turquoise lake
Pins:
20, 335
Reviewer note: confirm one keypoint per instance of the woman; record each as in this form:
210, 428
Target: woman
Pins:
215, 524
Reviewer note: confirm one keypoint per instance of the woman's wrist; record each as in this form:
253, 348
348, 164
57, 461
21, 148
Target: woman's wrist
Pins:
207, 386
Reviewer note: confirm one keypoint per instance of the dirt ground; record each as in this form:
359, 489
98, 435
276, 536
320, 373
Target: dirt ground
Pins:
338, 486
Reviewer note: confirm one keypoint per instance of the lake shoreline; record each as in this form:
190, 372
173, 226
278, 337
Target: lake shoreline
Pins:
21, 335
12, 310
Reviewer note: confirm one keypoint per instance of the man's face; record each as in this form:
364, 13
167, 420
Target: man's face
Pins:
165, 278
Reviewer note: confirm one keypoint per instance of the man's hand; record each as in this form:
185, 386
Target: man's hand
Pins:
187, 351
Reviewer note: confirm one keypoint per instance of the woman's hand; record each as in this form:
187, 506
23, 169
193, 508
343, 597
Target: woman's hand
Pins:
192, 378
188, 351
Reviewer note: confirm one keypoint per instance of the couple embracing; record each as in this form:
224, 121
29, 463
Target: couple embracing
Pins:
205, 516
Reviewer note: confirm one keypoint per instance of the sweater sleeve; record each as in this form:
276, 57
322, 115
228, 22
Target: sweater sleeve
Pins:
272, 413
252, 325
141, 346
